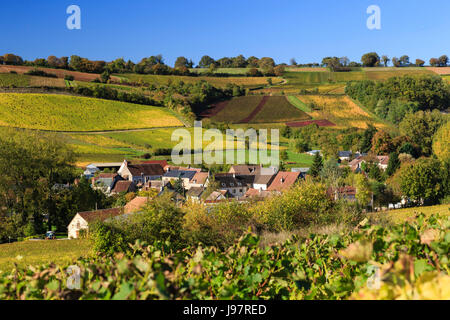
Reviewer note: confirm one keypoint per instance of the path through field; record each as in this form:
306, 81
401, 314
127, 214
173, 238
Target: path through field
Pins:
255, 111
320, 123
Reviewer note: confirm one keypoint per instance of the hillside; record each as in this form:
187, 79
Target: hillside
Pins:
70, 113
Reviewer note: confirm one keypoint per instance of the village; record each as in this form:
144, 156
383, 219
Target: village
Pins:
241, 183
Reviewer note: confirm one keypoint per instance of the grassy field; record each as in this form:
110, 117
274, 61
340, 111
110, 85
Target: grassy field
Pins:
340, 110
447, 78
69, 113
279, 109
296, 102
440, 70
249, 82
17, 80
41, 252
232, 71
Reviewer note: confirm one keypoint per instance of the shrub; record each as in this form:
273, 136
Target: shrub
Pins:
69, 77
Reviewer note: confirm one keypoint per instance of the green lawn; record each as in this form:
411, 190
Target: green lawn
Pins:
17, 80
299, 104
42, 252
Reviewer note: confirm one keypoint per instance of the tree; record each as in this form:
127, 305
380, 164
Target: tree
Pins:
382, 143
179, 186
441, 143
266, 63
284, 155
317, 165
293, 62
404, 60
385, 60
239, 62
420, 127
393, 164
253, 62
420, 62
423, 181
206, 61
443, 61
105, 76
181, 62
396, 62
367, 136
363, 191
434, 62
370, 59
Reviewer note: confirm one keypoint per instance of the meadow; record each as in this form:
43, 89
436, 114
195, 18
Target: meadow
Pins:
70, 113
14, 80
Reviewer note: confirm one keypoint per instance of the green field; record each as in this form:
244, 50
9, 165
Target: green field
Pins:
447, 78
69, 113
279, 109
401, 215
232, 71
249, 82
17, 80
41, 252
296, 102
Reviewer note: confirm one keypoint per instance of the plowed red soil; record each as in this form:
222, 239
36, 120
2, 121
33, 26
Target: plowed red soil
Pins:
320, 123
216, 108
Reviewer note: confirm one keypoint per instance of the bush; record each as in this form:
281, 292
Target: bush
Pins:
69, 77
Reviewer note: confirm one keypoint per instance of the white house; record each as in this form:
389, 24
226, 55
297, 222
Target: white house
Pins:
82, 220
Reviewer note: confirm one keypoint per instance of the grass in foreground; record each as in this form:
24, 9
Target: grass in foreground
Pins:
41, 252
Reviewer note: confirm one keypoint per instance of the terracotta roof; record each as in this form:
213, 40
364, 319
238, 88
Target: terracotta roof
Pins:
200, 178
254, 193
245, 169
135, 204
122, 186
100, 215
215, 195
283, 181
162, 163
149, 169
170, 168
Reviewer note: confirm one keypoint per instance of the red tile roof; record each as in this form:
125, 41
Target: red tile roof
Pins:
162, 163
135, 204
200, 178
100, 215
122, 186
283, 181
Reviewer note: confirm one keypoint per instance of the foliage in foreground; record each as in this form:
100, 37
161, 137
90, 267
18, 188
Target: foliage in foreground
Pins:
411, 257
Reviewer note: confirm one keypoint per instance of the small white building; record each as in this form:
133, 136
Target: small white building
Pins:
82, 220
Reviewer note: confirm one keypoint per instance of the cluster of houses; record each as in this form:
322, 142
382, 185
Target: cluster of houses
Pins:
240, 183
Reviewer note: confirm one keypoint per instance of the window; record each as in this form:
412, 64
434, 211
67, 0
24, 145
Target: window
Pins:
232, 184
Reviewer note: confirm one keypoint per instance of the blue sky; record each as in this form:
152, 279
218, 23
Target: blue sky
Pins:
282, 29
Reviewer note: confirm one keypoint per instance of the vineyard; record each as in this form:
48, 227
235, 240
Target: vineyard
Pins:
340, 110
69, 113
405, 261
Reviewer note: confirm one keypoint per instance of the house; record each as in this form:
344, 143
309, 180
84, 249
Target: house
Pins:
195, 193
347, 193
82, 220
105, 182
200, 179
257, 194
158, 185
283, 181
140, 173
90, 171
174, 175
314, 152
344, 155
383, 162
245, 170
178, 168
162, 163
124, 186
262, 182
136, 205
217, 196
355, 164
236, 186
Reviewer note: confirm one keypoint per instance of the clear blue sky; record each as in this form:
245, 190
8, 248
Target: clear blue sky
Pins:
282, 29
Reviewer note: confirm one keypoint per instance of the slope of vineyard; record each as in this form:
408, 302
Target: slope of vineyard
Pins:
70, 113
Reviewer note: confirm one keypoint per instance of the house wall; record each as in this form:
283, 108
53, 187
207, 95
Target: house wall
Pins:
75, 225
260, 187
